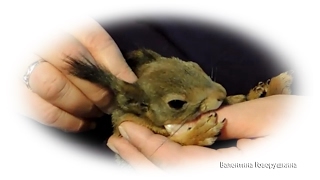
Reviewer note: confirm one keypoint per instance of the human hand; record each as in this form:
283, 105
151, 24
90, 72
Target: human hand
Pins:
256, 119
58, 99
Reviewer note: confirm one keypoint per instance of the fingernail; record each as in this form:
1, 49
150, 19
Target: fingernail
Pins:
112, 148
123, 133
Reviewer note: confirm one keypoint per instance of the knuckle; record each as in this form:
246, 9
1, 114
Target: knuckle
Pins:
52, 116
74, 50
123, 73
101, 97
53, 86
98, 42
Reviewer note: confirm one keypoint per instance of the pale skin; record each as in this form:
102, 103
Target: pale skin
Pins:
65, 102
256, 119
61, 100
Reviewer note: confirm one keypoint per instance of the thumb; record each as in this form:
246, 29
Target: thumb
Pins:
146, 141
102, 47
257, 118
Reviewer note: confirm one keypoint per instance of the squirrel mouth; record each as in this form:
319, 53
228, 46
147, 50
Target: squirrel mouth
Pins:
175, 129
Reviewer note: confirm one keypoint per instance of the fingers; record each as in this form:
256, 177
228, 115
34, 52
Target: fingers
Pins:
243, 122
131, 154
65, 95
140, 148
143, 145
147, 142
48, 100
69, 46
147, 146
51, 85
103, 49
251, 145
33, 106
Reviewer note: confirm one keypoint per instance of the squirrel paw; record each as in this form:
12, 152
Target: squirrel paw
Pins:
258, 91
204, 131
235, 99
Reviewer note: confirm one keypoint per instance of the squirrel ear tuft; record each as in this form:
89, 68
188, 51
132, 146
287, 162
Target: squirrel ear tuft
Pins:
142, 56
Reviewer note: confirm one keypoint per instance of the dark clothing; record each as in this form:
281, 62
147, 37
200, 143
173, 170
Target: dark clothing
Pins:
235, 62
238, 64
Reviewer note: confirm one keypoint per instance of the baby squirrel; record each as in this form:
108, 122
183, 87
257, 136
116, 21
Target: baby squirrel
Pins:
171, 97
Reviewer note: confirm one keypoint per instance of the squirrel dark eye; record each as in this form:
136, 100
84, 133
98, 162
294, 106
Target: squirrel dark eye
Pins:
176, 104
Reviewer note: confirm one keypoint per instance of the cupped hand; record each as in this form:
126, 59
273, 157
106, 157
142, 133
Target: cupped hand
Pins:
251, 122
58, 99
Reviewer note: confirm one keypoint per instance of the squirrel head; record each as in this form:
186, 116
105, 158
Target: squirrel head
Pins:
168, 90
174, 90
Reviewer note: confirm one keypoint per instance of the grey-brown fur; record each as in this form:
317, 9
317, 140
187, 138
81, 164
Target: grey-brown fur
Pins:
168, 90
